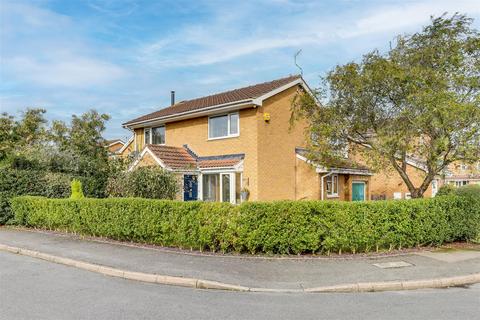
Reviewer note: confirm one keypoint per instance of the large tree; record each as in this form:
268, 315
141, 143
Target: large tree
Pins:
27, 131
420, 100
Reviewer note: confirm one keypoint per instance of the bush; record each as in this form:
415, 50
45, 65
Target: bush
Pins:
17, 182
77, 192
144, 182
446, 189
471, 190
285, 227
14, 182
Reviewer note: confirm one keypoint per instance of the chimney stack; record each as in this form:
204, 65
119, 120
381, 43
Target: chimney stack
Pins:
172, 96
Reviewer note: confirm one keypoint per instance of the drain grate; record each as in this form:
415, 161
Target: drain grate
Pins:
393, 264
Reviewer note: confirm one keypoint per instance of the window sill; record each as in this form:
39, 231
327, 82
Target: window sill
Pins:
221, 138
332, 196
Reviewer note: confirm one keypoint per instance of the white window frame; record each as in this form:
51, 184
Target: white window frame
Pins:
460, 183
220, 173
334, 178
229, 135
150, 135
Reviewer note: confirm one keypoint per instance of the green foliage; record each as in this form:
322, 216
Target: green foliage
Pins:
144, 182
420, 98
15, 182
29, 130
284, 227
471, 190
446, 189
77, 192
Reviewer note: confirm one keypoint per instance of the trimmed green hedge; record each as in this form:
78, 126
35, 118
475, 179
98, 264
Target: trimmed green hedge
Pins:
286, 227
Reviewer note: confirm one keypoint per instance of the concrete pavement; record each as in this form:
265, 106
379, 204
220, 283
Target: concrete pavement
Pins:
34, 289
295, 274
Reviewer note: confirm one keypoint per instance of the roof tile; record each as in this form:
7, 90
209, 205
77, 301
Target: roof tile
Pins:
250, 92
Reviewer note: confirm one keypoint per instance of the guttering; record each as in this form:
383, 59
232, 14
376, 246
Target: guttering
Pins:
222, 107
195, 113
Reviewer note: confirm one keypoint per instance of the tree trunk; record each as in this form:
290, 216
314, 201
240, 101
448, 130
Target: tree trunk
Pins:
414, 192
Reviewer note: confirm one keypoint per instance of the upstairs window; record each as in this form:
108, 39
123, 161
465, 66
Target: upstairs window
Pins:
146, 134
155, 135
158, 135
223, 126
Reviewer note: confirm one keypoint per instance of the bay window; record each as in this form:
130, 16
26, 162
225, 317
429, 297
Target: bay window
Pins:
223, 126
221, 187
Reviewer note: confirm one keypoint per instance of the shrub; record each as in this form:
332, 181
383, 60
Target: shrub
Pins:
285, 227
77, 192
17, 182
471, 190
14, 182
446, 189
144, 182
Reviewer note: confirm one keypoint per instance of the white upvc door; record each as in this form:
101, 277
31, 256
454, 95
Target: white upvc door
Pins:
227, 187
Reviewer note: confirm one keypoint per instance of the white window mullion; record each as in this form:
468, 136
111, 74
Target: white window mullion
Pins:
200, 187
232, 188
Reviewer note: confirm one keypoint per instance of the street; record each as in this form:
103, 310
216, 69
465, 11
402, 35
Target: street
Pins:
35, 289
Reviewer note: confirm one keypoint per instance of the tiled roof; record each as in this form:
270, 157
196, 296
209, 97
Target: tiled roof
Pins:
173, 157
250, 92
179, 158
348, 164
219, 163
463, 177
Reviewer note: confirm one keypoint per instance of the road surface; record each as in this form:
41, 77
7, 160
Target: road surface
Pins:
35, 289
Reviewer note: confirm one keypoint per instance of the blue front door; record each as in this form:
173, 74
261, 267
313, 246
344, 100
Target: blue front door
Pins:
190, 187
358, 191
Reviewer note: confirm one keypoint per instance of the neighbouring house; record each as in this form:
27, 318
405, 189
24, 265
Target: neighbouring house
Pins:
113, 146
387, 184
127, 148
461, 174
226, 145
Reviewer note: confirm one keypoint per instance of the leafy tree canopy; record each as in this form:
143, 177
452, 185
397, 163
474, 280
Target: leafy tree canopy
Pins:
421, 99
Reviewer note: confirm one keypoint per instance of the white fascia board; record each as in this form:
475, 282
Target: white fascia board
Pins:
259, 101
416, 164
125, 146
219, 170
319, 168
238, 166
193, 114
115, 142
144, 152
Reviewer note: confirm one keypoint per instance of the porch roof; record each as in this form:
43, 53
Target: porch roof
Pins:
342, 166
184, 159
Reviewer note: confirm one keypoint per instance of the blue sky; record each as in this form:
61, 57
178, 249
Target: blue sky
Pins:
123, 57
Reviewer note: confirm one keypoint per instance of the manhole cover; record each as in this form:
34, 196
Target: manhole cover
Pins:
393, 264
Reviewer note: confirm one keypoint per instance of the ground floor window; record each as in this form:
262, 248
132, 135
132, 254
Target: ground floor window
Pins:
332, 185
222, 187
459, 183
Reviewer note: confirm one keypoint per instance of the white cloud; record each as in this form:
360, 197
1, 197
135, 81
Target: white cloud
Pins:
65, 71
405, 16
225, 37
43, 48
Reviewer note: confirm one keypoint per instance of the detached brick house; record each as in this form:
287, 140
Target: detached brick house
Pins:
242, 139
